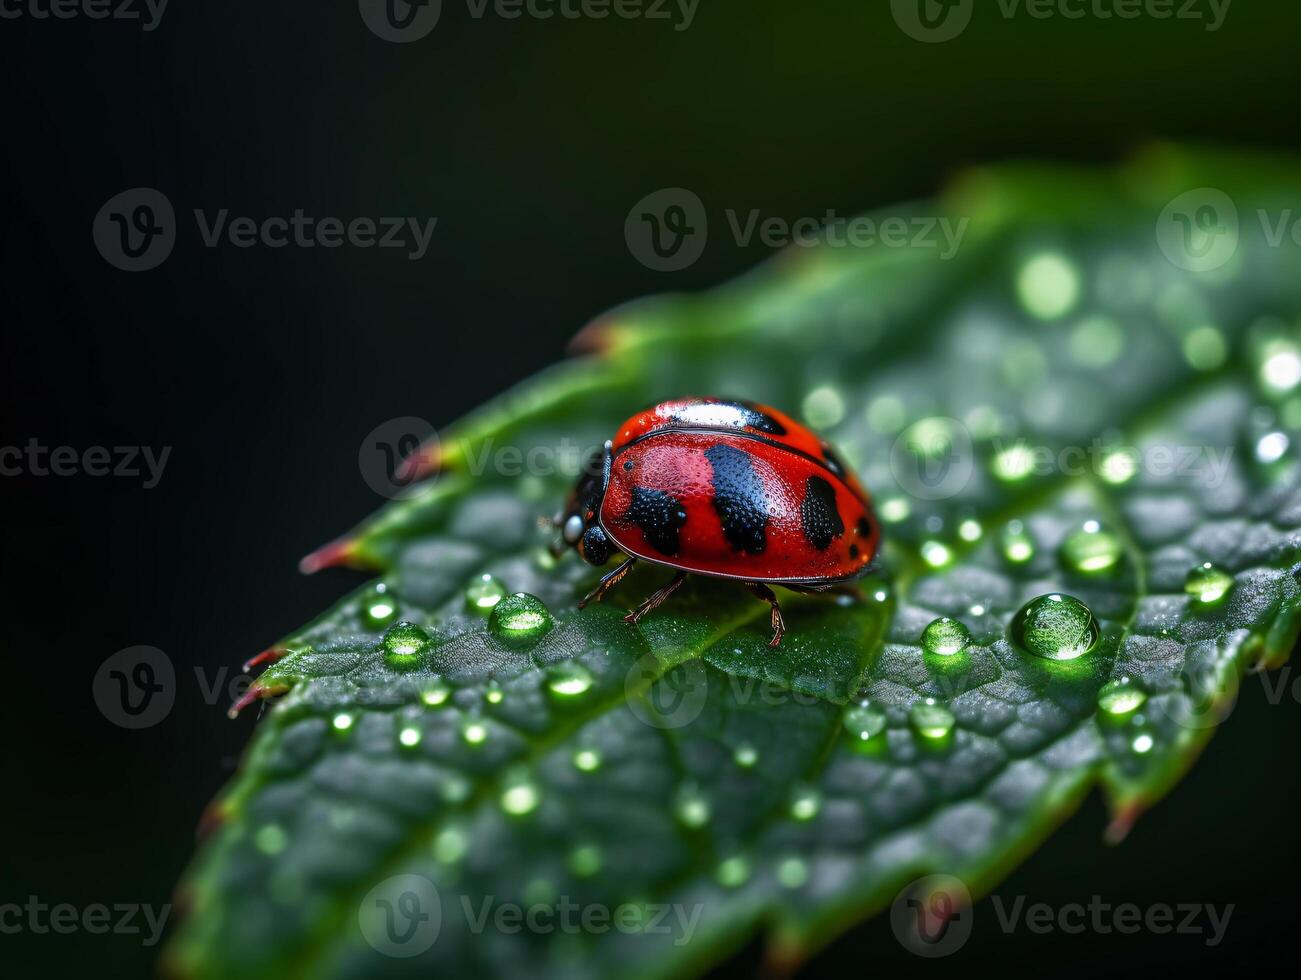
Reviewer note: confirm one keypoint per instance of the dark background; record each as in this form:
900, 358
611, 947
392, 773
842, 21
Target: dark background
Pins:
530, 141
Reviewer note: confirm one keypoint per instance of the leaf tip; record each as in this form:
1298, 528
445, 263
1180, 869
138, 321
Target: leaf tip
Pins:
1122, 822
256, 692
267, 656
344, 551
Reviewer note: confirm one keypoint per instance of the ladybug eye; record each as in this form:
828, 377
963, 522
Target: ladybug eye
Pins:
573, 529
627, 465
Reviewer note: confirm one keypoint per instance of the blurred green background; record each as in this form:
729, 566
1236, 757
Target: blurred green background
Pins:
529, 140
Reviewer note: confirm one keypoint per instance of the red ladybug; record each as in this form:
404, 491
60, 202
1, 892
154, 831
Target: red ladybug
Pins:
728, 489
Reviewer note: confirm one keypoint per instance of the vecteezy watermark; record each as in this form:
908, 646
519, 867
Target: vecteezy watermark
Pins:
935, 21
402, 916
1098, 917
124, 462
136, 687
149, 13
932, 916
137, 229
1200, 230
397, 453
64, 919
404, 21
668, 229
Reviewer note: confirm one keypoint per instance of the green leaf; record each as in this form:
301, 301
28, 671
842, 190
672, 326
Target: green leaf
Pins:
682, 764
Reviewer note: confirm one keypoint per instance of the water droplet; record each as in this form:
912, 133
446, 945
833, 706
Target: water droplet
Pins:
1014, 463
894, 510
862, 721
405, 646
569, 679
1208, 583
450, 845
945, 637
435, 692
587, 760
1271, 447
455, 788
1143, 744
585, 860
931, 720
474, 732
805, 803
1280, 366
1118, 467
520, 618
484, 592
493, 693
380, 609
746, 755
1097, 341
1018, 546
792, 872
519, 799
733, 872
1205, 349
824, 407
1055, 627
970, 530
1091, 549
271, 839
1048, 285
691, 807
342, 721
409, 736
1120, 697
936, 554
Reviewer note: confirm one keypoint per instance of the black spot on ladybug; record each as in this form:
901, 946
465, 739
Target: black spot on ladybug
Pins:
853, 551
738, 498
818, 515
864, 528
659, 516
727, 415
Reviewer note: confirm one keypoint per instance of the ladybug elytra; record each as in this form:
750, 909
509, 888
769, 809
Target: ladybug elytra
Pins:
727, 489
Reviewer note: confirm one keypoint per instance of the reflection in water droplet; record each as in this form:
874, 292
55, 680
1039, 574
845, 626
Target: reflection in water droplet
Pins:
746, 755
691, 806
862, 721
1208, 583
931, 720
587, 760
805, 803
520, 618
1120, 697
733, 872
1018, 546
1055, 627
1091, 549
405, 645
568, 679
944, 637
1048, 285
484, 592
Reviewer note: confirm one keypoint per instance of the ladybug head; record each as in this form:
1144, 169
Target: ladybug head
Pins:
579, 522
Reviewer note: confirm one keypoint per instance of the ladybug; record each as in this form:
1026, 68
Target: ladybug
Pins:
727, 489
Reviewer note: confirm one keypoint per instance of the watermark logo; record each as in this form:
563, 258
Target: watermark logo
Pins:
36, 459
397, 453
666, 231
671, 701
932, 916
933, 459
63, 919
136, 230
149, 13
401, 916
932, 21
1208, 690
136, 687
1199, 231
401, 21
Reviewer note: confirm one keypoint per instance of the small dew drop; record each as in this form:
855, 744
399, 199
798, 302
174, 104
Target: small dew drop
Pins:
734, 872
342, 721
585, 860
746, 755
1120, 697
1208, 583
805, 803
1118, 467
435, 692
271, 839
894, 510
1048, 285
1018, 546
945, 637
493, 693
862, 721
824, 407
1280, 366
380, 610
935, 554
569, 679
405, 645
1204, 348
970, 530
519, 799
587, 760
691, 807
474, 732
792, 872
1014, 463
931, 720
484, 592
1143, 744
409, 736
1091, 549
450, 845
1271, 447
1055, 627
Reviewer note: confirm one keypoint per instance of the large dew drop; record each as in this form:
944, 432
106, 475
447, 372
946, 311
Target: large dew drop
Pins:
568, 679
1055, 627
1121, 697
1091, 550
945, 637
1208, 583
863, 722
931, 720
405, 646
520, 618
380, 609
484, 593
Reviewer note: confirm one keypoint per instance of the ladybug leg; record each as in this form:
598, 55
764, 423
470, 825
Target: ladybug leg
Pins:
655, 598
608, 581
762, 591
